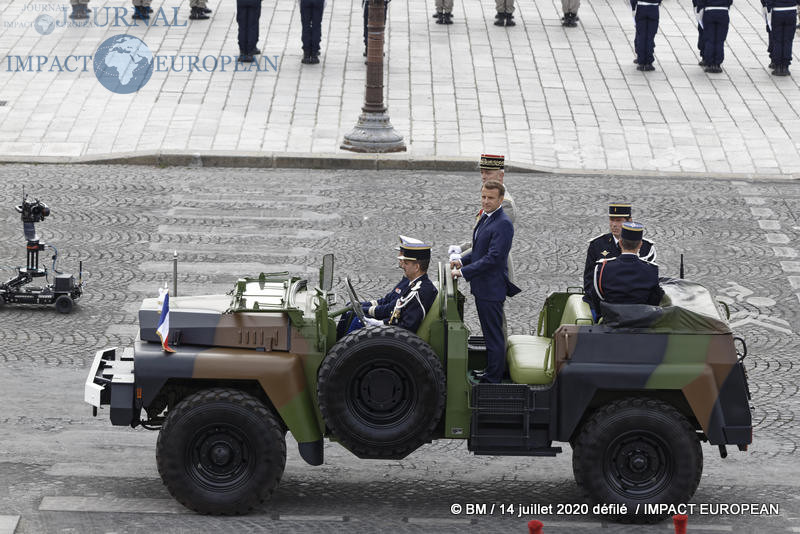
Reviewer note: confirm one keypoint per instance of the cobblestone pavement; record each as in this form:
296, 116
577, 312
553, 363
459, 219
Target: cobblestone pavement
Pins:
542, 94
58, 465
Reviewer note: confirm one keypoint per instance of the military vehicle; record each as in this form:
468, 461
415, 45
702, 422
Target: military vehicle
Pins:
634, 395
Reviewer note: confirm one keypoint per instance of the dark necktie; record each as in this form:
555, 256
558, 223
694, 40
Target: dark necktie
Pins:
480, 222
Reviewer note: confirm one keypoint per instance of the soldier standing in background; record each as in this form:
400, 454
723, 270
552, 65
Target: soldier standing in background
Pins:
715, 20
142, 9
199, 10
248, 13
781, 24
80, 9
645, 14
311, 19
505, 13
444, 12
570, 9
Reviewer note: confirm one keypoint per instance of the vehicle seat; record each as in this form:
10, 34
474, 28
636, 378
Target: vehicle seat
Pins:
530, 359
576, 311
432, 315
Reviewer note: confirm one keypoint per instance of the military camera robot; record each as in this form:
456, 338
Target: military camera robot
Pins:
63, 292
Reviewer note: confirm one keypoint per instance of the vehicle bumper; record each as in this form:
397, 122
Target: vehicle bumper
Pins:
112, 382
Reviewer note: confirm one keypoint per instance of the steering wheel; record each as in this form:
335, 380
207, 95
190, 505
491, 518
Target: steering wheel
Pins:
355, 302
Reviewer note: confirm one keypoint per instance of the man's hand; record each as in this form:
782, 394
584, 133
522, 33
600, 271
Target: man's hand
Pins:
455, 264
373, 322
456, 273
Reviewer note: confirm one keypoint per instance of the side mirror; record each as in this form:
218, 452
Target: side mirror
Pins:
326, 273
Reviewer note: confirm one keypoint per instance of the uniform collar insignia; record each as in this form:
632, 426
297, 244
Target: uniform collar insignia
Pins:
605, 253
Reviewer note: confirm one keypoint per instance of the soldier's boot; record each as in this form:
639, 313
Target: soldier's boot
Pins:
198, 14
573, 20
500, 19
79, 12
499, 16
206, 10
136, 13
306, 58
314, 59
448, 18
440, 19
436, 14
702, 63
510, 20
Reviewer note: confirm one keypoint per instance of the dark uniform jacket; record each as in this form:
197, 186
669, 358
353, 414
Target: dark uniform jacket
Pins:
626, 279
413, 304
382, 308
486, 265
604, 247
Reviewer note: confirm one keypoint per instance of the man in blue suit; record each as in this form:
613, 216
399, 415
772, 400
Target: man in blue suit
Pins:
485, 267
627, 279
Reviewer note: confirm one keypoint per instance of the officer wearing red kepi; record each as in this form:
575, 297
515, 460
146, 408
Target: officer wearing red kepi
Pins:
607, 246
781, 22
627, 279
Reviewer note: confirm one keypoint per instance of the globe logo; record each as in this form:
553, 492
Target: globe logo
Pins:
123, 64
44, 24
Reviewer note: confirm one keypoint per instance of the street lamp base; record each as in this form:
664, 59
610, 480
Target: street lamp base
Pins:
373, 133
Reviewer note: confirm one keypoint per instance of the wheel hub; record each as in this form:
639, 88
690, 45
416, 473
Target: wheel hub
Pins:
219, 456
638, 463
381, 389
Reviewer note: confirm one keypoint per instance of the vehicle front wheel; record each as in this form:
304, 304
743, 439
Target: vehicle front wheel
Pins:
64, 304
637, 451
221, 452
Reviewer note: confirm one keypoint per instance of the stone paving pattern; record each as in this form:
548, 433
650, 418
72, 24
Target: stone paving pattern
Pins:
544, 95
125, 223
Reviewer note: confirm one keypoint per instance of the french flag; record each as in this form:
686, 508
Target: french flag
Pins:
163, 324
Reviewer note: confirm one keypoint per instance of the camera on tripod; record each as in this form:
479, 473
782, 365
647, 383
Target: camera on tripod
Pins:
33, 211
64, 291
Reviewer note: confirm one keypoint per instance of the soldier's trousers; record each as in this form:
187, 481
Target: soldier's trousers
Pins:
646, 28
142, 3
79, 2
504, 6
385, 14
701, 41
247, 17
444, 6
197, 3
570, 6
492, 319
311, 19
783, 28
715, 29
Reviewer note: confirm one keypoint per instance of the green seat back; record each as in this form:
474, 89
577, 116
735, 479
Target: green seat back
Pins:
424, 330
576, 311
530, 359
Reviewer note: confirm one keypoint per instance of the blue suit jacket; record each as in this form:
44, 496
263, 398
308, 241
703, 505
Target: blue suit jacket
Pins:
486, 265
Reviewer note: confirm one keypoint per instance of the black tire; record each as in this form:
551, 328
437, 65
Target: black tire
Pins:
637, 451
221, 452
64, 304
381, 392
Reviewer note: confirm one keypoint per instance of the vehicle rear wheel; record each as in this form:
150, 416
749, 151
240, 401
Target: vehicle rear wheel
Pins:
381, 392
221, 452
64, 304
637, 451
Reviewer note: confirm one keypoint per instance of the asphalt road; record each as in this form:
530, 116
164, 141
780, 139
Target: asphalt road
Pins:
63, 471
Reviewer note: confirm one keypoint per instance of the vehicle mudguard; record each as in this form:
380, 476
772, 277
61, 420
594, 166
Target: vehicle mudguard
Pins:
702, 367
280, 375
